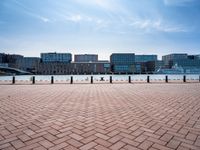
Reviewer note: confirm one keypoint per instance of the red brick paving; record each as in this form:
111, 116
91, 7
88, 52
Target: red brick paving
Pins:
100, 117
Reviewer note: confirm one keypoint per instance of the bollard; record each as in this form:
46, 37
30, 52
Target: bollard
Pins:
71, 81
52, 80
166, 79
13, 80
129, 79
91, 79
199, 78
184, 78
33, 81
148, 79
110, 79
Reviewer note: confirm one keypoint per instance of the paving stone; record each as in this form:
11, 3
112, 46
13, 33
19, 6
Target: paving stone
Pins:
117, 146
88, 146
46, 143
17, 144
100, 116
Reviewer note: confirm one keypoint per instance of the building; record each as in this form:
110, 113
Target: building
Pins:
56, 57
29, 64
12, 60
140, 62
59, 68
181, 60
194, 57
154, 66
188, 63
2, 57
140, 68
86, 58
122, 62
167, 59
54, 68
91, 68
60, 64
145, 58
198, 56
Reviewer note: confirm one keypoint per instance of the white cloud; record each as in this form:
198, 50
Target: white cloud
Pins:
40, 17
98, 23
157, 25
74, 18
77, 18
44, 19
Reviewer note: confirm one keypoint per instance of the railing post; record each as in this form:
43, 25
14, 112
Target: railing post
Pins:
129, 79
110, 79
71, 81
52, 80
184, 78
91, 79
13, 80
33, 80
148, 79
166, 79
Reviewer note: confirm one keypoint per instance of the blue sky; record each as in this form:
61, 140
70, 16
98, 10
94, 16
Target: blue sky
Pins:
30, 27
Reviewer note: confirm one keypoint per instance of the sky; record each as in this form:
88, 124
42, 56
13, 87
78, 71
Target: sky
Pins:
29, 27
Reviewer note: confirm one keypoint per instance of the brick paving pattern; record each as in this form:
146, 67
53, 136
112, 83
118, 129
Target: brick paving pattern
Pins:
100, 117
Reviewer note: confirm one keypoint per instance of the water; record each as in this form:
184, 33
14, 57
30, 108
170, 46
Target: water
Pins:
46, 79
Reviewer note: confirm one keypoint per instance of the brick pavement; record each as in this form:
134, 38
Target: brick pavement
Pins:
100, 117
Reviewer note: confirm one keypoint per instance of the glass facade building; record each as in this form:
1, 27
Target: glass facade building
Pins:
141, 62
145, 58
187, 62
122, 62
167, 58
56, 57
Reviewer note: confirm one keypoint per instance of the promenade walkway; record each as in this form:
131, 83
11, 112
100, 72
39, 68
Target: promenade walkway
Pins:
100, 116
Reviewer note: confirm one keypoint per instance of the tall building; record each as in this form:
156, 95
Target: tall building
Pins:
86, 58
56, 57
122, 62
145, 58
